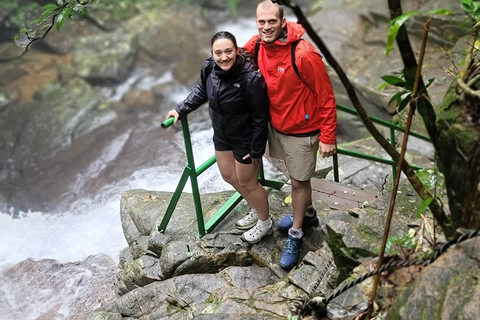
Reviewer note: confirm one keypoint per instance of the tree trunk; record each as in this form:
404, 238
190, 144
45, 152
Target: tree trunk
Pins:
459, 145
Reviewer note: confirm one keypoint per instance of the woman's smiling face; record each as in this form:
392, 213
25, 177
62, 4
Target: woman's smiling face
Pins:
224, 53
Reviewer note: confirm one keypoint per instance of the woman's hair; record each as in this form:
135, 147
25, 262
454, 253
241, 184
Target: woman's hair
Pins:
225, 35
248, 56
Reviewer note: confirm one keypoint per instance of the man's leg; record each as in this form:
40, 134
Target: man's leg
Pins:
301, 200
300, 158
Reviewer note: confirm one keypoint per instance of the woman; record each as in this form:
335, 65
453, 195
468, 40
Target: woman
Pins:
237, 96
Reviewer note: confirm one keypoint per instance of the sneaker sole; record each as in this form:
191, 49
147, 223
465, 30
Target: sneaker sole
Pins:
290, 266
270, 232
248, 226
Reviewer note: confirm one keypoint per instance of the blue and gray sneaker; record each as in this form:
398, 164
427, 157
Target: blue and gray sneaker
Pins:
290, 252
310, 219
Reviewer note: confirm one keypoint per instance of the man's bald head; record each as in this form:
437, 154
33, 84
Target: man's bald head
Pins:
268, 4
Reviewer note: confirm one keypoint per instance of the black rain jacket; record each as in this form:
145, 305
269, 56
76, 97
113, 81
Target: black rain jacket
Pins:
238, 100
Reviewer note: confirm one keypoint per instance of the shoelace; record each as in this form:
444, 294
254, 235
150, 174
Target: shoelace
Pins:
290, 246
248, 216
256, 230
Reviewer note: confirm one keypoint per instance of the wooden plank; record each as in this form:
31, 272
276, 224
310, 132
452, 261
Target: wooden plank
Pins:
335, 202
340, 196
343, 191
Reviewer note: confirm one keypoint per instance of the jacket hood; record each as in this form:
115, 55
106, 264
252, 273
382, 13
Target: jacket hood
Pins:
294, 31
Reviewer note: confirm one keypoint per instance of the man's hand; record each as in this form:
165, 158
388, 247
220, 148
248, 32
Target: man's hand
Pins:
327, 150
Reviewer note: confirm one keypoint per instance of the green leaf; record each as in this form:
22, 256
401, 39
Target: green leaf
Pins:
467, 5
404, 102
382, 86
48, 11
425, 177
397, 97
394, 81
391, 37
444, 12
409, 78
63, 16
423, 206
394, 26
82, 11
430, 81
424, 89
50, 6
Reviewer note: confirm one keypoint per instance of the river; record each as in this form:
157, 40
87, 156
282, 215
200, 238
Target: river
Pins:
31, 241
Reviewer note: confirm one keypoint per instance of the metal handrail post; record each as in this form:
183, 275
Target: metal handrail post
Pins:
193, 177
261, 174
175, 198
336, 177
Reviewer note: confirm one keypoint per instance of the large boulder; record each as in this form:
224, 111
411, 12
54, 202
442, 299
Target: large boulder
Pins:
447, 289
105, 57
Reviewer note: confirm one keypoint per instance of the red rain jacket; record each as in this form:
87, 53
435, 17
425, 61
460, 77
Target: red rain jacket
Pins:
297, 105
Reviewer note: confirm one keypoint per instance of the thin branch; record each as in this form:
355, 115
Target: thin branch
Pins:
32, 40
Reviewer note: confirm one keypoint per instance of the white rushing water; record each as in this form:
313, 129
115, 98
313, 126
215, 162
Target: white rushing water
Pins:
96, 221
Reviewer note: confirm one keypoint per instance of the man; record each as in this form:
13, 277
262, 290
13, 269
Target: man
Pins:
302, 109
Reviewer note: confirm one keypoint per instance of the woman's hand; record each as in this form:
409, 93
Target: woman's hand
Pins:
255, 161
172, 113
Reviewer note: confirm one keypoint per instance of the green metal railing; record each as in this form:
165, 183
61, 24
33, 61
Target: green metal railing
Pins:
191, 172
360, 155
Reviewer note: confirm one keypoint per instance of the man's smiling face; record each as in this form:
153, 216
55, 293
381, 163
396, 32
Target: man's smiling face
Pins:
270, 25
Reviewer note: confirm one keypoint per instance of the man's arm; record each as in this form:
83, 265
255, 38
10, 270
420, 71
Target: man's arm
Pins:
314, 73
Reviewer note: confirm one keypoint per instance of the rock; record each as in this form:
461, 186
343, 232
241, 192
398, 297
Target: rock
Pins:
447, 289
105, 58
77, 286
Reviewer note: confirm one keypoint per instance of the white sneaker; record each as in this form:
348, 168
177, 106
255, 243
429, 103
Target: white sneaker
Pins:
248, 221
255, 234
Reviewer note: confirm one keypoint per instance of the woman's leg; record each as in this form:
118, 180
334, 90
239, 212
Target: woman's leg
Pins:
227, 166
247, 176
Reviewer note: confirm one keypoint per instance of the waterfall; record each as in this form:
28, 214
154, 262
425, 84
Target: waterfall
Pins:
41, 244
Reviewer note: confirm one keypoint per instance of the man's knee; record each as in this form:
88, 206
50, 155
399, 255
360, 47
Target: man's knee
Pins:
299, 185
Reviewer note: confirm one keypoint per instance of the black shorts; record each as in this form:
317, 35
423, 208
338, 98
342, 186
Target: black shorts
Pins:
239, 150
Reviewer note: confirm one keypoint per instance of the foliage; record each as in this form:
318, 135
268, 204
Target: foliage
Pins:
396, 23
396, 245
472, 8
435, 183
404, 96
53, 14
